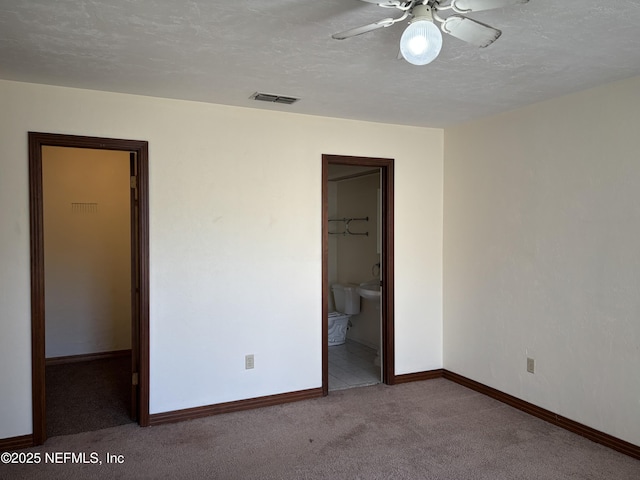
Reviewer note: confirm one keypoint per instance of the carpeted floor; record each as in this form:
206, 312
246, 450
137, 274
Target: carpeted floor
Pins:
433, 429
87, 396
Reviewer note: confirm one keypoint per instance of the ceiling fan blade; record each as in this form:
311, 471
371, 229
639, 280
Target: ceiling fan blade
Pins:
384, 3
467, 6
352, 32
470, 31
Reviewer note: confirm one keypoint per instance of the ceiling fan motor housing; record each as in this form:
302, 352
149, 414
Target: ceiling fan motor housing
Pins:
422, 12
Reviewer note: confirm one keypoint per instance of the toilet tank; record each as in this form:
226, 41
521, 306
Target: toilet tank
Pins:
347, 298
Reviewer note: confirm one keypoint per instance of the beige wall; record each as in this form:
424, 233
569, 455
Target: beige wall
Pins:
235, 240
541, 251
542, 255
87, 250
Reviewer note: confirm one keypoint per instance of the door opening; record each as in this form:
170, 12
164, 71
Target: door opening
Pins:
372, 191
134, 159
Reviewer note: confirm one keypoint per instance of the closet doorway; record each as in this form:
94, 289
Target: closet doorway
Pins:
380, 172
101, 314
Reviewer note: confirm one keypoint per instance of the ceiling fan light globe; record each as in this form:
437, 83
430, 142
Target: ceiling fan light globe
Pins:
421, 42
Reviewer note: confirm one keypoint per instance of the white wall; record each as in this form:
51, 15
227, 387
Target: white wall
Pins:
542, 255
87, 250
235, 240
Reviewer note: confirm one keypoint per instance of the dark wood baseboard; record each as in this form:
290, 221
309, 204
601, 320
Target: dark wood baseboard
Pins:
592, 434
85, 357
563, 422
418, 376
16, 443
227, 407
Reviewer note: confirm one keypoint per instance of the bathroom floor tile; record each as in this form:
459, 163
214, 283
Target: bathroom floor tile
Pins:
351, 365
336, 384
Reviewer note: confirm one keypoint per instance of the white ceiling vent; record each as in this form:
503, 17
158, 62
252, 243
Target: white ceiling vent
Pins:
267, 97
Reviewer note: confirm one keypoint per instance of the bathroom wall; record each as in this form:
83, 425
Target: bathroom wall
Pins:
87, 250
235, 243
332, 257
357, 254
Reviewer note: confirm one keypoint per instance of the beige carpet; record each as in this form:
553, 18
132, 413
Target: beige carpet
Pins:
434, 429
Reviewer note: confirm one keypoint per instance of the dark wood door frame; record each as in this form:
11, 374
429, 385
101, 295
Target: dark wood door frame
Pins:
386, 171
140, 149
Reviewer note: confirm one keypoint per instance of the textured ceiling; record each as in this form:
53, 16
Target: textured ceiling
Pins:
223, 51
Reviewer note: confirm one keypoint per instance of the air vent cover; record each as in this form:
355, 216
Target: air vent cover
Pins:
268, 97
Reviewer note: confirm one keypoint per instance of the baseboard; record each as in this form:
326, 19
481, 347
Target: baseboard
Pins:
592, 434
16, 443
563, 422
85, 357
216, 409
418, 376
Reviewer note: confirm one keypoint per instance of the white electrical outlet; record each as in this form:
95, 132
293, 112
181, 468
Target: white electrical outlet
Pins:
248, 362
531, 365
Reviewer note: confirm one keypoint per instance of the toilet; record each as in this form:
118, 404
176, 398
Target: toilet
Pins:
347, 301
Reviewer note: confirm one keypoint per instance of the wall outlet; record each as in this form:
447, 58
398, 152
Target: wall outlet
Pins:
248, 362
531, 365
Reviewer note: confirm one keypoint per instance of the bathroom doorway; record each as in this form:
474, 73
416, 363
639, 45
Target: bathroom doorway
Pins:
358, 254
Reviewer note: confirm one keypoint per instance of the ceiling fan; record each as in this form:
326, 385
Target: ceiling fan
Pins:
421, 41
